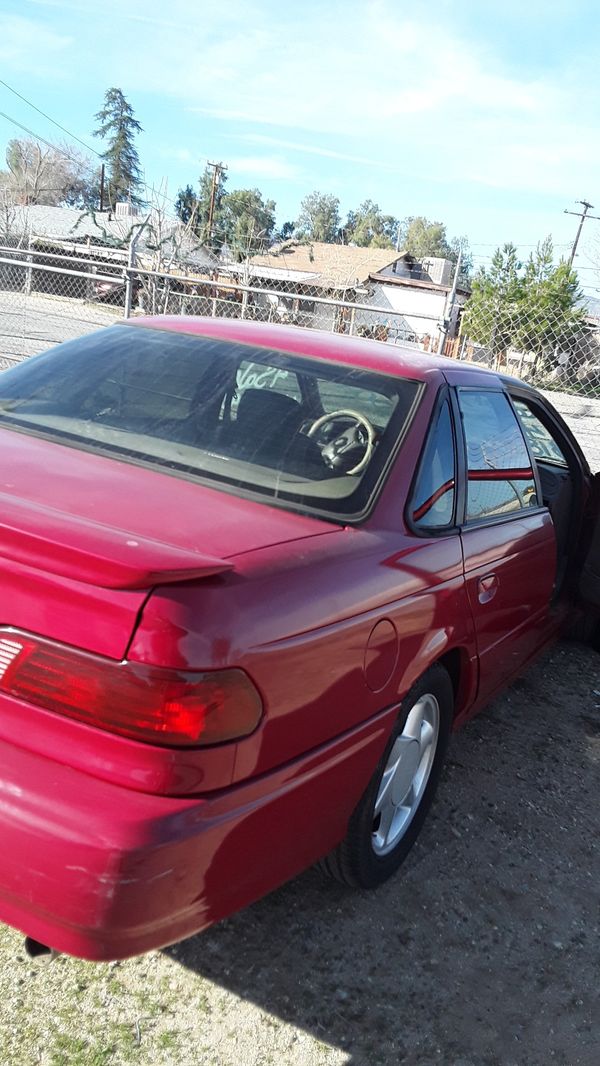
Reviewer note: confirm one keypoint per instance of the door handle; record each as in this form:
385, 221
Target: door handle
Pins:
487, 588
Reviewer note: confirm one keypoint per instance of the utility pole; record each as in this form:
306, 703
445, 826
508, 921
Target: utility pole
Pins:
449, 307
581, 215
217, 170
102, 188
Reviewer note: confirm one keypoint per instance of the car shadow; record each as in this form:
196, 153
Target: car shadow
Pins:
475, 953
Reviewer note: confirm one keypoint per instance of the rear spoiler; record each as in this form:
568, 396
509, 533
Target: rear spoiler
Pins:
84, 550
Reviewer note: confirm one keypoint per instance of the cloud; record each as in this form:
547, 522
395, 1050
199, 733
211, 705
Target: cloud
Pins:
374, 84
264, 167
364, 79
28, 46
179, 155
315, 149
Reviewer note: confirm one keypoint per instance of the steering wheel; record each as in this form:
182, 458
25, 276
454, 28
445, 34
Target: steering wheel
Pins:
348, 439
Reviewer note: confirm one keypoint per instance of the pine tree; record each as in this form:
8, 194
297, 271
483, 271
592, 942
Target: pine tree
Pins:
553, 318
493, 314
537, 309
187, 208
116, 121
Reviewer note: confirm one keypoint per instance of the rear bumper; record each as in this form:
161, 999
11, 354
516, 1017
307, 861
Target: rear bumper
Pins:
102, 872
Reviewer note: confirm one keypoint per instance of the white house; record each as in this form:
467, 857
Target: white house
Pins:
396, 297
421, 294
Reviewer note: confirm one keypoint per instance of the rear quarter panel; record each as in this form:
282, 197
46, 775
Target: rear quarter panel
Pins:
302, 627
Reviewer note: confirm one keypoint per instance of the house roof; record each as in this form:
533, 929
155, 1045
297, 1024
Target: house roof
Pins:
416, 283
326, 265
71, 223
102, 228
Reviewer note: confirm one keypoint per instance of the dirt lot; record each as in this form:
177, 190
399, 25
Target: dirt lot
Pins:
484, 952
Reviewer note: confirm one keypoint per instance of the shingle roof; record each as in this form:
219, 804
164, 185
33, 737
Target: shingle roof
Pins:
327, 265
71, 223
75, 225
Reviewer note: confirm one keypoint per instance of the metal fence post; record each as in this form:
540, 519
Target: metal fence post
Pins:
28, 272
129, 269
129, 277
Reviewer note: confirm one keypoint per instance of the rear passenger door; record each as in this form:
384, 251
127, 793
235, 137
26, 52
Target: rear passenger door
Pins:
509, 546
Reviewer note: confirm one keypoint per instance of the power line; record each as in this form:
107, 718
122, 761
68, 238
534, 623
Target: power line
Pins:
149, 188
50, 119
37, 137
77, 162
479, 244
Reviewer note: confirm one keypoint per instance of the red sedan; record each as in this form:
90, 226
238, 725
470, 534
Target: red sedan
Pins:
252, 578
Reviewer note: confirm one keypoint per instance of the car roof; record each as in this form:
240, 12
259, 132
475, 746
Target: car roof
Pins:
398, 360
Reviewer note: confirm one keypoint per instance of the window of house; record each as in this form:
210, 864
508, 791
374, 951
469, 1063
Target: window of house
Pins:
500, 479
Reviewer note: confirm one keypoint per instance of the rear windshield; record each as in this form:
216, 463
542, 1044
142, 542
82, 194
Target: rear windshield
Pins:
303, 432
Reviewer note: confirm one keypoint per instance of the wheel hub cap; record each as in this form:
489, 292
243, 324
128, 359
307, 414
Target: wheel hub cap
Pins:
408, 762
406, 774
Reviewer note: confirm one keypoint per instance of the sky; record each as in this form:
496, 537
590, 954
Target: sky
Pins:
476, 113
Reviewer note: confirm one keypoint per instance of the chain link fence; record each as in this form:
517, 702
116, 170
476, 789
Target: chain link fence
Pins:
551, 347
46, 298
310, 307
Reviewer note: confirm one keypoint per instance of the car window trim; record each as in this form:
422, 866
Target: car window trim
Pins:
443, 396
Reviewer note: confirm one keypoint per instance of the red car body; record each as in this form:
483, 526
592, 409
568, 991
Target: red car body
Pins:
112, 846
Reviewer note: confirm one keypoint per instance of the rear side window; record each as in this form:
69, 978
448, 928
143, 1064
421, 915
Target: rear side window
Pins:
500, 479
433, 499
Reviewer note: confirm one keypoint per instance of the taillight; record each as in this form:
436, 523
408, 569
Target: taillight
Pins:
150, 703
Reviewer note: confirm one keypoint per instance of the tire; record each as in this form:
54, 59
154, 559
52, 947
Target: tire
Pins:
391, 812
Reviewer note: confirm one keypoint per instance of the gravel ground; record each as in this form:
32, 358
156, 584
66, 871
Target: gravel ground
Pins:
484, 951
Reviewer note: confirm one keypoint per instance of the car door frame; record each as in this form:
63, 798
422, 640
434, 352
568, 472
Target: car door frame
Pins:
586, 485
526, 640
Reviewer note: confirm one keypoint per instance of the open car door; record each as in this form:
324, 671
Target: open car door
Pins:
589, 582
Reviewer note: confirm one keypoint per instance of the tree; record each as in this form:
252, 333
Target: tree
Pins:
369, 227
13, 227
194, 208
247, 221
187, 206
421, 238
493, 312
117, 122
552, 318
83, 190
460, 246
42, 174
285, 232
533, 309
319, 218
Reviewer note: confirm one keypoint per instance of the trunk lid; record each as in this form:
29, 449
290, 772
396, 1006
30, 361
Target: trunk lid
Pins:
84, 537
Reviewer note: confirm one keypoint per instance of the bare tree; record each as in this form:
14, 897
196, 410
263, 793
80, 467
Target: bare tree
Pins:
40, 174
13, 229
168, 243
